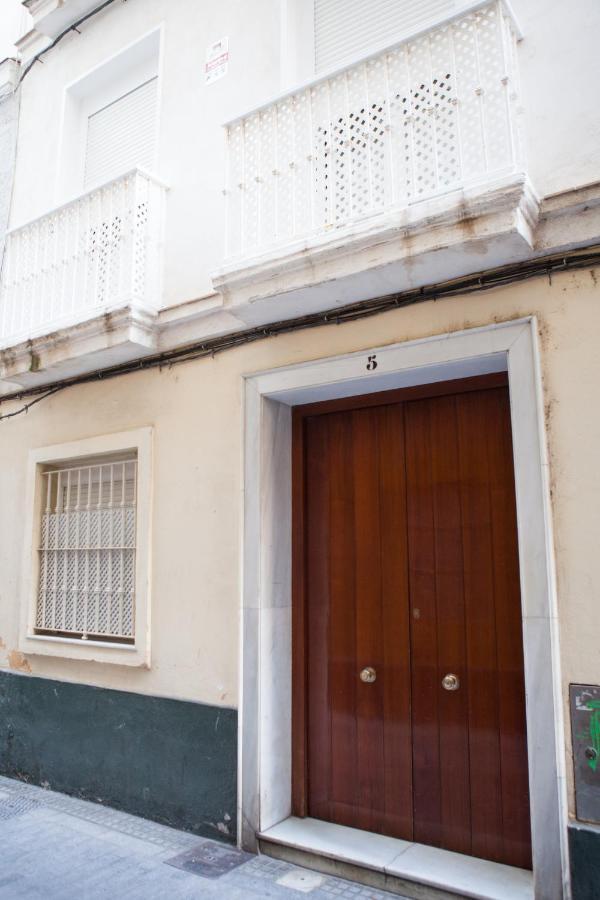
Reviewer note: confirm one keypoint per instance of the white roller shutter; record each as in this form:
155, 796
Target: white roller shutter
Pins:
122, 135
348, 29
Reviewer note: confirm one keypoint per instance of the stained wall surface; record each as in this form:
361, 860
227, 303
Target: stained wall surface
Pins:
196, 412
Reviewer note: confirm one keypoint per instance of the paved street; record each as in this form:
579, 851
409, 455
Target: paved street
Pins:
59, 848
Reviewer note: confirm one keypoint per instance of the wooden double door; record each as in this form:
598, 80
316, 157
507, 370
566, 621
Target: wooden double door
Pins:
408, 687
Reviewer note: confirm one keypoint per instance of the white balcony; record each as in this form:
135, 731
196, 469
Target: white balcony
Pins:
418, 137
87, 275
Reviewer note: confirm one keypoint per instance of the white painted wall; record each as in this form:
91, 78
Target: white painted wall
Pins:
560, 69
9, 114
15, 21
191, 140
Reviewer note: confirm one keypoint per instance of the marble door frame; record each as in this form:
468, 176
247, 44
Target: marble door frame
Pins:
265, 634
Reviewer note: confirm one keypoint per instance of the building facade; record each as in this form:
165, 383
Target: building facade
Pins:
299, 435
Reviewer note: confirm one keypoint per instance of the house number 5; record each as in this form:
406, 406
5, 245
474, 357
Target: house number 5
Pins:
371, 362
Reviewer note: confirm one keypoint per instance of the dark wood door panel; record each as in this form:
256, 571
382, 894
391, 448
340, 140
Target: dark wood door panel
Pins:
341, 629
440, 718
482, 675
497, 731
405, 523
318, 565
357, 732
396, 668
369, 619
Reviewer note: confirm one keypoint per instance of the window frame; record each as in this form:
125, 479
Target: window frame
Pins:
135, 654
99, 86
93, 109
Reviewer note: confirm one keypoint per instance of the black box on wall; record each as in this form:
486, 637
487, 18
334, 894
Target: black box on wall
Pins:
584, 835
585, 731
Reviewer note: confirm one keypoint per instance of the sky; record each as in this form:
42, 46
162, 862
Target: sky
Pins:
14, 22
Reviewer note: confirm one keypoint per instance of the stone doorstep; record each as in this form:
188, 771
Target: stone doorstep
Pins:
401, 867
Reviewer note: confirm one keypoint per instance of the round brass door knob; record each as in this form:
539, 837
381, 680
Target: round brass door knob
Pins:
450, 682
368, 675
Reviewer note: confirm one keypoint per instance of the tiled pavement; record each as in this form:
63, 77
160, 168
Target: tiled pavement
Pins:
54, 847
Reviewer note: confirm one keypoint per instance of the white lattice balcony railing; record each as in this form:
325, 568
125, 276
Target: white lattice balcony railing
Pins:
99, 252
431, 115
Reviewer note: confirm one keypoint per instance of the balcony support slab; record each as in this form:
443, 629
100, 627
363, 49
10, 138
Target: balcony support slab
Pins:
114, 337
462, 232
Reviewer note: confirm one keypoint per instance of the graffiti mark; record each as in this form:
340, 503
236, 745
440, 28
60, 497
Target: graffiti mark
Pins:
594, 707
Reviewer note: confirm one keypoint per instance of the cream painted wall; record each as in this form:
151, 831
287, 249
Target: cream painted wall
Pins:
561, 116
196, 411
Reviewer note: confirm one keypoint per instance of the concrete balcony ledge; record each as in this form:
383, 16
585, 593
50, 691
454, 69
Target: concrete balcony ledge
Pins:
414, 149
81, 286
464, 231
51, 17
116, 336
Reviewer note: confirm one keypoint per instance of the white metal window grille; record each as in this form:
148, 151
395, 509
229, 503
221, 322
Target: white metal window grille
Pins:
433, 114
87, 552
348, 29
122, 135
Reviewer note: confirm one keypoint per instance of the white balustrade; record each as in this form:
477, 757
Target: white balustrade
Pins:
433, 114
99, 252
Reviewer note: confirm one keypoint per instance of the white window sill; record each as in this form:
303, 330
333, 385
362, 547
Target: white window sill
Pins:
115, 645
90, 651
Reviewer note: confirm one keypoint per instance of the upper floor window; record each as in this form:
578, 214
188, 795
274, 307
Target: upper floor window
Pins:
345, 30
121, 135
110, 121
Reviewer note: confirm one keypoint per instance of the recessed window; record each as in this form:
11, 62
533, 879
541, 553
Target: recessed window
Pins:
110, 123
86, 564
87, 551
122, 135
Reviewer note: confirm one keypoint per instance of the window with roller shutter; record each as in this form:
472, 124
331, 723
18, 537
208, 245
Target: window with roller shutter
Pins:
349, 29
122, 135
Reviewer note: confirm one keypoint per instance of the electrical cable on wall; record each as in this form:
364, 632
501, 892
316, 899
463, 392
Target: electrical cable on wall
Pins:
59, 37
587, 258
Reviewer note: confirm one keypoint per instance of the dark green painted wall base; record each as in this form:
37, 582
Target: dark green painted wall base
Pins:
167, 760
584, 850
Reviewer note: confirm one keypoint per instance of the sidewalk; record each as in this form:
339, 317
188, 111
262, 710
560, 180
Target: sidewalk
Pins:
54, 847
